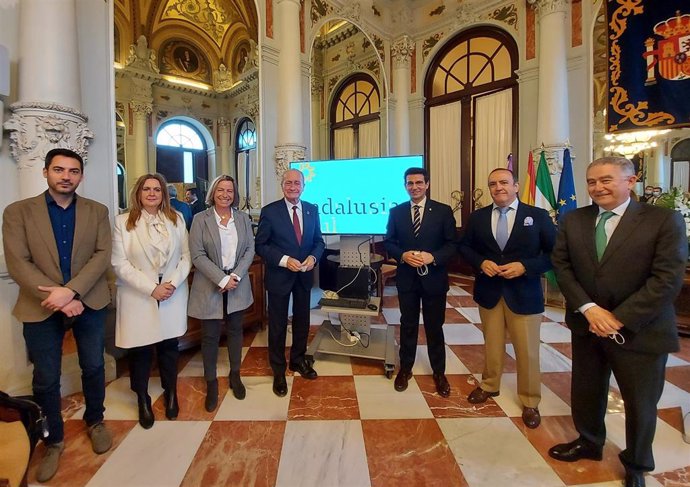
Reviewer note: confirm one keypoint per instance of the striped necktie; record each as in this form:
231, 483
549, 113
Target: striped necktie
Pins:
416, 220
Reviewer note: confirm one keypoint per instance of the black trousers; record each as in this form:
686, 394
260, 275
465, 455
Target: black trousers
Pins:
640, 377
140, 359
434, 313
210, 337
277, 326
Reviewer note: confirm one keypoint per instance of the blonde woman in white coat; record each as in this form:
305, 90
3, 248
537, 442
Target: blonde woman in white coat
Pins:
221, 243
151, 261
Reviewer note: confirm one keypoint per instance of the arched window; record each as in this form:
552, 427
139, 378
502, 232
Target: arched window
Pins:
470, 115
181, 153
246, 162
355, 119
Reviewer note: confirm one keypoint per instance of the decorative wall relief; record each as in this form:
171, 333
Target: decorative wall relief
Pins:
37, 127
437, 11
507, 14
210, 15
429, 43
319, 9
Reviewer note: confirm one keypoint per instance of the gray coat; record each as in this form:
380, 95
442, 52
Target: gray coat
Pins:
205, 302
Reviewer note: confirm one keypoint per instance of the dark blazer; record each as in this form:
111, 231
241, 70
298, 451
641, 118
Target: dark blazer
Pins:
32, 256
436, 236
185, 209
638, 278
276, 237
530, 243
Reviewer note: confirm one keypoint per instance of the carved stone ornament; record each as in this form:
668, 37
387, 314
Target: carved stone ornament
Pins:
546, 7
141, 108
224, 123
36, 127
252, 109
465, 15
222, 79
316, 85
351, 11
287, 153
141, 57
402, 51
554, 156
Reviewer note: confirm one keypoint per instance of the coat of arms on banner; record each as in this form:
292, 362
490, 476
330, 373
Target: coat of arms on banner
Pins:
671, 58
649, 64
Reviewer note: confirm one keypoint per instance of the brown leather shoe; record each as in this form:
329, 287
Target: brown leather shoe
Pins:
531, 417
402, 379
479, 395
442, 385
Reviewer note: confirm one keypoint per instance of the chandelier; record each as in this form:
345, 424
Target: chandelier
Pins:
632, 143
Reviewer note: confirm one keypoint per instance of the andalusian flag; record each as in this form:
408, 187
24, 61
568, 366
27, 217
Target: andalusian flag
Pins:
566, 188
529, 189
544, 197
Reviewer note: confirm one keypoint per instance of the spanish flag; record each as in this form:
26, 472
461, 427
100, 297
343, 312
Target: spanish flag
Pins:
529, 189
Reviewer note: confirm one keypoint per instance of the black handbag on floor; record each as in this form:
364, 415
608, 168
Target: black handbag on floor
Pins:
28, 412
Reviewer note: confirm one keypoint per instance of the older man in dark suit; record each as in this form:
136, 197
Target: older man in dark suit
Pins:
290, 242
620, 266
420, 236
508, 244
57, 248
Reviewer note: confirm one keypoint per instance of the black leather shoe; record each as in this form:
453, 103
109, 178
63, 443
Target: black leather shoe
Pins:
575, 450
146, 418
634, 479
479, 395
401, 380
304, 369
531, 417
211, 402
238, 389
280, 385
442, 385
172, 408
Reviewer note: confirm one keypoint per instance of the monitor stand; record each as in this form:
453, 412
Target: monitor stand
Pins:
373, 343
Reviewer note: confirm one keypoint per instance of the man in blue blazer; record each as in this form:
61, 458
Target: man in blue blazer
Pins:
290, 242
508, 244
421, 237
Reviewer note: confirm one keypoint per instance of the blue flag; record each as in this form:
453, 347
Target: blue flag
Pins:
566, 189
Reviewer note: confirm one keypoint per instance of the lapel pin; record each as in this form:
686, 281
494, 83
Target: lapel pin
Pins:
528, 221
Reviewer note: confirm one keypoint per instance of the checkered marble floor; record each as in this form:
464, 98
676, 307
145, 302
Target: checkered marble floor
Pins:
350, 428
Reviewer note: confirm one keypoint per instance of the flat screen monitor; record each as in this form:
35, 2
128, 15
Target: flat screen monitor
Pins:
354, 196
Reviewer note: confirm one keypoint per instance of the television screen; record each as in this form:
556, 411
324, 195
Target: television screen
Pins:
355, 195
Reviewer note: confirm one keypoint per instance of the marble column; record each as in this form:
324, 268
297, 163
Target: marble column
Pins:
552, 105
290, 138
553, 126
138, 165
401, 51
316, 93
224, 157
48, 111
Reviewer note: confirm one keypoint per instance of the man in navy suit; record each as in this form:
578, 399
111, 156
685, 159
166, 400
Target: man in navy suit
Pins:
620, 266
508, 244
290, 242
421, 237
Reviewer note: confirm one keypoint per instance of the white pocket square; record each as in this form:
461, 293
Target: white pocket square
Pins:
529, 221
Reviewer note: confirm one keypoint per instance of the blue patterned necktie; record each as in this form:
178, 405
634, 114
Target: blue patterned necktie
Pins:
600, 233
502, 227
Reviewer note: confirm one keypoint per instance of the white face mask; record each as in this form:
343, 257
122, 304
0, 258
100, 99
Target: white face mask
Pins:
647, 193
656, 193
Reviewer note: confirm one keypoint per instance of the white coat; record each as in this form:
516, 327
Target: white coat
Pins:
140, 318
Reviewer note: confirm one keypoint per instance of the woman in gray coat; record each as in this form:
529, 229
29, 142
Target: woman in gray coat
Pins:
221, 244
